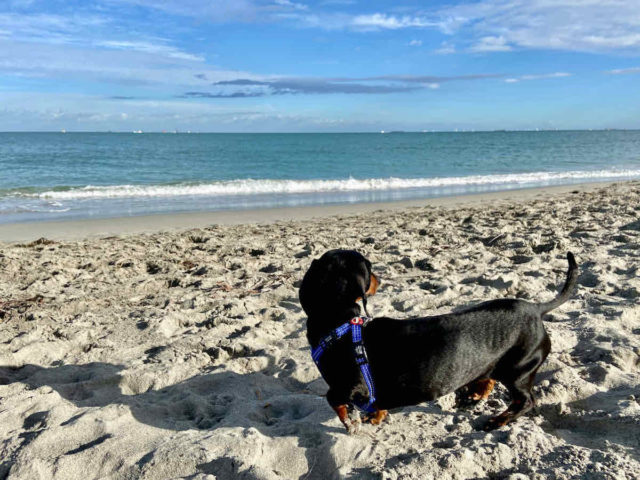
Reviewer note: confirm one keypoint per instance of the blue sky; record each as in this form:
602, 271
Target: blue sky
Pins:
325, 65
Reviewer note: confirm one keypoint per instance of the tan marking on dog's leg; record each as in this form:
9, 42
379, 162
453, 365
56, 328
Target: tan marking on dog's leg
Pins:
343, 414
482, 389
377, 417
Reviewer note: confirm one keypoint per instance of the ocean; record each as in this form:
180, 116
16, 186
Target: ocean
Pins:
54, 176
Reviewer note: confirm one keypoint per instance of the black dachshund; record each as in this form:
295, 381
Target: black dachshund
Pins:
420, 359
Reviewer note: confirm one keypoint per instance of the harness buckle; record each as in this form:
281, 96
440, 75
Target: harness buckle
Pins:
360, 354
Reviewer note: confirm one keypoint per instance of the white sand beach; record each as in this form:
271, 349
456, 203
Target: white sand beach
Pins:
182, 353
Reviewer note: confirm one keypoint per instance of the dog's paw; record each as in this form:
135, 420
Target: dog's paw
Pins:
377, 417
466, 400
353, 426
353, 423
495, 422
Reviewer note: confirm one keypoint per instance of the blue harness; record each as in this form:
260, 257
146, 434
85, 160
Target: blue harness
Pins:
355, 327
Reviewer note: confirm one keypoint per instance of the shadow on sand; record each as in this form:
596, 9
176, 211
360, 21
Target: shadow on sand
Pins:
273, 405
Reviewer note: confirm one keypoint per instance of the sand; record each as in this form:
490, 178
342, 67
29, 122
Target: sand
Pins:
183, 354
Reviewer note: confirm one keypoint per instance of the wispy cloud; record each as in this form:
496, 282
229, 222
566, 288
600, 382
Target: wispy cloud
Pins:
325, 15
575, 25
624, 71
390, 22
536, 77
49, 28
253, 88
82, 30
415, 43
476, 26
119, 66
382, 84
491, 44
222, 11
222, 95
290, 4
446, 48
149, 47
433, 78
337, 2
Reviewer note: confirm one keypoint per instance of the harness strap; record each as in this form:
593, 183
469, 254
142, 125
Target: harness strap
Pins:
362, 361
329, 340
360, 353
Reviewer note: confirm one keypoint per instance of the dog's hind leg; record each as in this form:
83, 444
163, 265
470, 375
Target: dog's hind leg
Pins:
519, 383
475, 391
482, 389
521, 402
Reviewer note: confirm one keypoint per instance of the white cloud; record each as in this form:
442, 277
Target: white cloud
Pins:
81, 30
537, 77
337, 2
446, 48
148, 47
478, 26
128, 66
290, 4
491, 44
624, 71
82, 46
576, 25
415, 43
389, 22
222, 11
546, 75
47, 28
503, 25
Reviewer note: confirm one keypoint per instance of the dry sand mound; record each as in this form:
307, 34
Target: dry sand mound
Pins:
184, 355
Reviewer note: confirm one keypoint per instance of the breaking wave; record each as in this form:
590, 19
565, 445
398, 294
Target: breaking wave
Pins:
267, 186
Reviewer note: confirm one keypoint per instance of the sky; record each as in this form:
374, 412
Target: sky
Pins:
318, 66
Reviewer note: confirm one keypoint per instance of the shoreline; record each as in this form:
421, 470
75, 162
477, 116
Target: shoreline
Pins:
73, 230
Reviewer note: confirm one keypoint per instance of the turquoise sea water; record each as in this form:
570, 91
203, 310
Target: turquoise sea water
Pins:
47, 176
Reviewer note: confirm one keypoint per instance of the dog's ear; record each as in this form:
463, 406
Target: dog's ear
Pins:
309, 286
374, 283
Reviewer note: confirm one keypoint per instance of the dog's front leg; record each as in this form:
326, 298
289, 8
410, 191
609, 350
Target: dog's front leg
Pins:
349, 418
377, 417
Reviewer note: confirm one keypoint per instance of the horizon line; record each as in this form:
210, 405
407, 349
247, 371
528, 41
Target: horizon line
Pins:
384, 132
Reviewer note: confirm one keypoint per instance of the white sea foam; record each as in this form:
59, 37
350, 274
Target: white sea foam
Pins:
265, 186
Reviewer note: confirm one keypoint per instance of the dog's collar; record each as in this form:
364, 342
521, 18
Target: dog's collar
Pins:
354, 326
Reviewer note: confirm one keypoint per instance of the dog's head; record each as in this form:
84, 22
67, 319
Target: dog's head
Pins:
335, 282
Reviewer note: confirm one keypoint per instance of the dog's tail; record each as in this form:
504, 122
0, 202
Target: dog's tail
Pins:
567, 290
